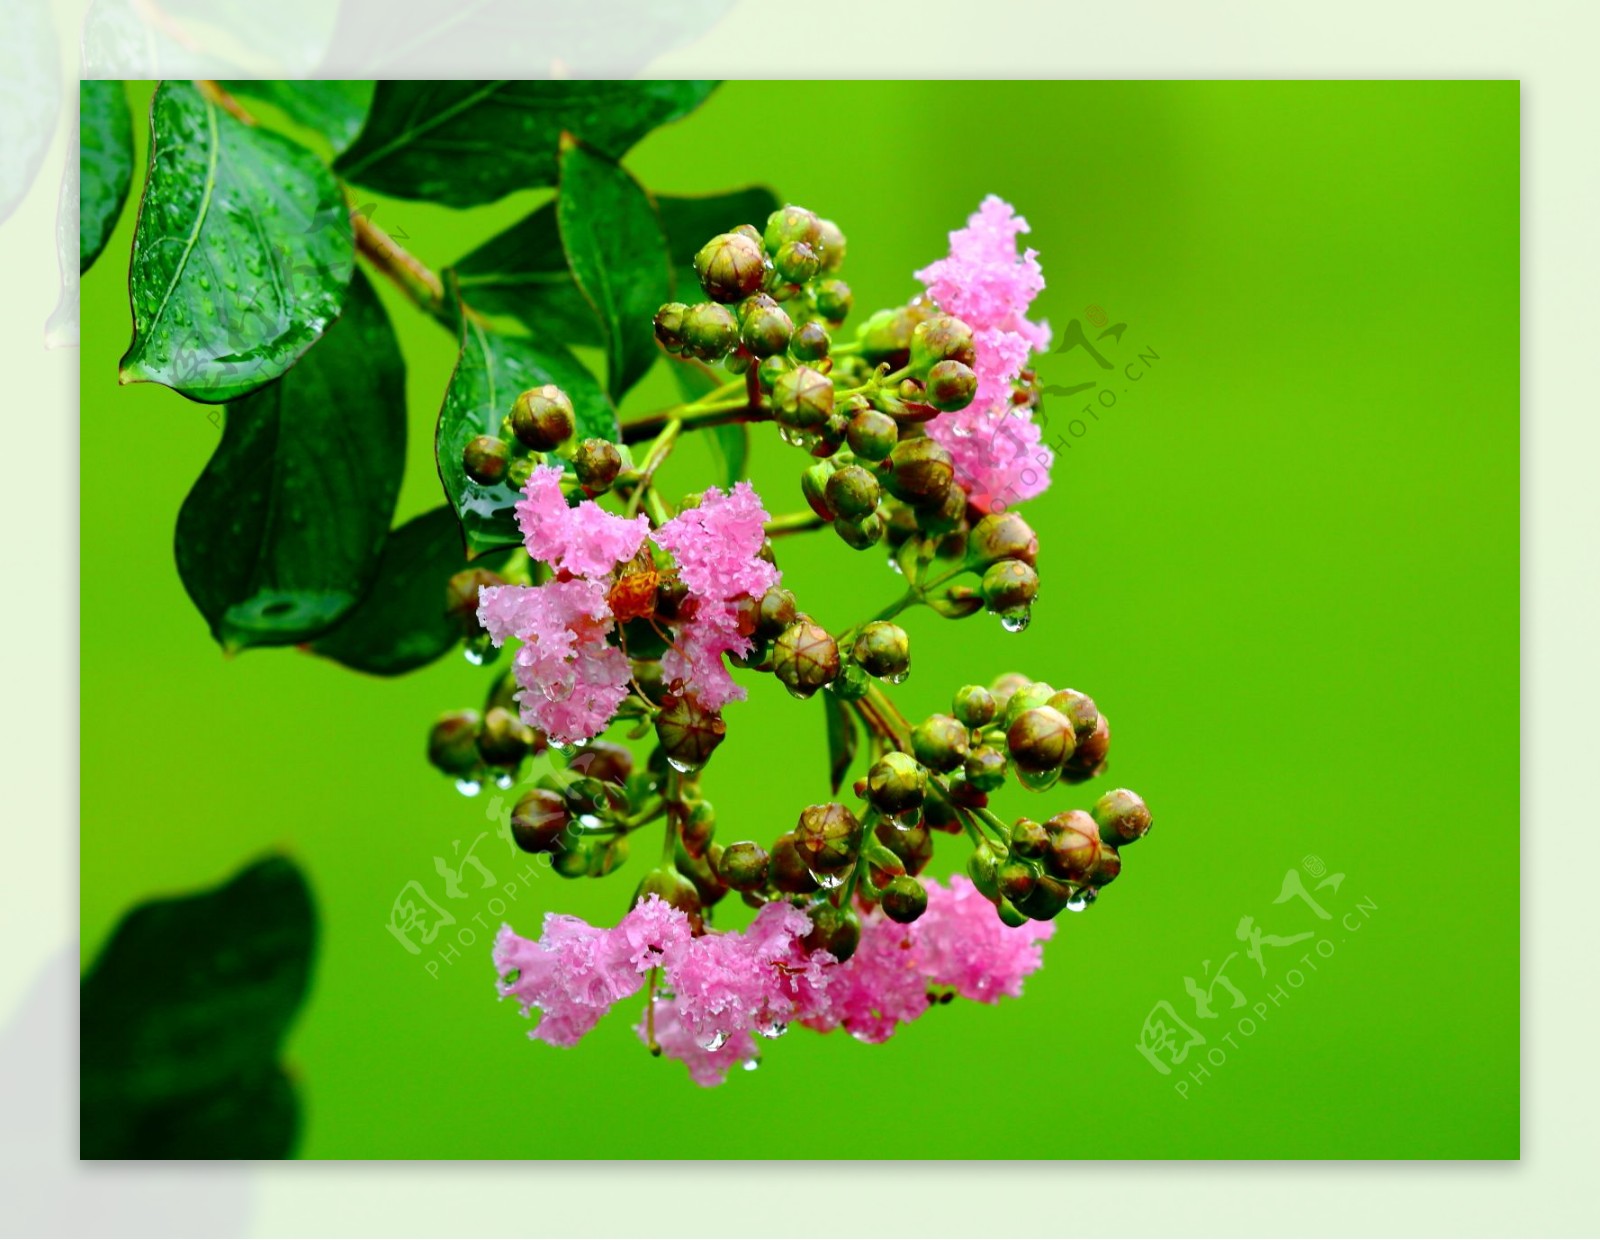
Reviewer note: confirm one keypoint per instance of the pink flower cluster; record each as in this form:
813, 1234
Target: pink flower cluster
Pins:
999, 458
722, 990
572, 677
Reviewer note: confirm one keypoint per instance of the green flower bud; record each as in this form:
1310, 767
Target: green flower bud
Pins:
688, 733
573, 858
833, 930
814, 486
1009, 586
1080, 710
1002, 536
851, 684
542, 418
538, 821
1015, 880
947, 517
709, 330
486, 459
941, 338
730, 266
606, 761
904, 900
453, 743
461, 599
1010, 914
1048, 897
1107, 868
834, 299
1089, 759
830, 435
669, 327
787, 872
861, 533
776, 612
597, 464
796, 261
766, 329
805, 657
852, 492
1122, 816
985, 768
828, 838
802, 398
886, 336
708, 885
940, 743
830, 244
897, 784
939, 814
1040, 740
1075, 846
1006, 685
912, 845
699, 827
919, 471
883, 649
810, 342
951, 385
872, 435
743, 866
504, 739
1026, 696
674, 889
791, 223
1029, 840
974, 706
749, 230
982, 869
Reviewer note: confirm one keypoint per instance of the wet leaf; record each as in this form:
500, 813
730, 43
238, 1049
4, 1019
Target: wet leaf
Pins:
335, 109
618, 257
105, 164
241, 254
281, 535
468, 143
183, 1017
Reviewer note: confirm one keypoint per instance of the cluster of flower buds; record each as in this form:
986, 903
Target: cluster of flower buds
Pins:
541, 424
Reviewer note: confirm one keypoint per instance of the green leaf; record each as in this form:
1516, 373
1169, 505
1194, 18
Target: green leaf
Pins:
467, 143
618, 256
841, 739
491, 371
729, 443
105, 164
522, 272
182, 1020
281, 535
335, 109
402, 623
241, 255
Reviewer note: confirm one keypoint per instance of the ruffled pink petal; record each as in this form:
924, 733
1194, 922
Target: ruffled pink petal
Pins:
706, 1066
718, 545
586, 541
694, 662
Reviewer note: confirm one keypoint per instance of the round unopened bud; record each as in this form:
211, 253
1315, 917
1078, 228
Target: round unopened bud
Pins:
504, 739
912, 845
852, 492
830, 244
1122, 816
1029, 840
883, 649
1025, 696
1089, 759
698, 830
461, 597
1080, 710
872, 435
985, 768
951, 386
828, 838
597, 464
1074, 846
941, 338
1002, 536
791, 223
688, 732
834, 300
1007, 684
982, 865
486, 459
786, 871
1040, 740
802, 398
810, 342
771, 370
743, 866
1009, 585
606, 761
766, 329
776, 612
1108, 867
1048, 897
542, 418
453, 742
796, 261
730, 266
709, 330
749, 230
814, 486
974, 706
700, 871
669, 326
805, 657
1015, 880
904, 900
940, 743
672, 888
919, 471
538, 821
897, 783
861, 533
836, 931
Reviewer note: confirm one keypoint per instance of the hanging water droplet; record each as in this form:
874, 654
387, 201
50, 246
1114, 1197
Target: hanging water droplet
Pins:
557, 690
894, 563
827, 882
589, 822
682, 767
899, 678
773, 1029
750, 1065
472, 655
1016, 621
468, 787
715, 1042
1077, 904
505, 780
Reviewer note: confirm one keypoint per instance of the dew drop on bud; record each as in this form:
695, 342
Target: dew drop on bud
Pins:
468, 787
473, 655
1016, 621
750, 1065
682, 767
714, 1043
773, 1029
505, 780
899, 678
1077, 904
828, 882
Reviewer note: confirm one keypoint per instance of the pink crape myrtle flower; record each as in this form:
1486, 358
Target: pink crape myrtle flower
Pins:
586, 541
997, 450
708, 1065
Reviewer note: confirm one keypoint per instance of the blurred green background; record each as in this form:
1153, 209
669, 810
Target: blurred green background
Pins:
1282, 555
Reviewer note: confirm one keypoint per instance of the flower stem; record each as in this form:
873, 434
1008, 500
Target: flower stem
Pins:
794, 523
658, 452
